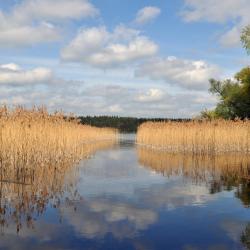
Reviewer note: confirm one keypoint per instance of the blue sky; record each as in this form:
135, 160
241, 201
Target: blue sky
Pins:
138, 58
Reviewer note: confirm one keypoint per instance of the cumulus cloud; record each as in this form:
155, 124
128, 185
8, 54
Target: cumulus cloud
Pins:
83, 99
115, 108
151, 95
53, 10
147, 14
35, 21
41, 85
27, 35
100, 48
235, 11
188, 74
13, 74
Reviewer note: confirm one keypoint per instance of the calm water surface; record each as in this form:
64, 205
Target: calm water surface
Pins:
126, 197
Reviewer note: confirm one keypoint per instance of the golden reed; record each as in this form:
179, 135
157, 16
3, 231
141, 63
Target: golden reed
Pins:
199, 137
39, 153
34, 138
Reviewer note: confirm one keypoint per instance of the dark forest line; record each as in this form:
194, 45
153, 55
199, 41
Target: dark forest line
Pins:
123, 124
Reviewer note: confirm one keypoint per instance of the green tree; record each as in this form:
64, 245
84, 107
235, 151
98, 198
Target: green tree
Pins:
245, 38
234, 95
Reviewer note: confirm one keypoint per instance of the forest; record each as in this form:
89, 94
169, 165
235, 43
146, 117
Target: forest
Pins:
123, 124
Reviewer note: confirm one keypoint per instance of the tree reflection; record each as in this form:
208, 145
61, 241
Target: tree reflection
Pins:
245, 237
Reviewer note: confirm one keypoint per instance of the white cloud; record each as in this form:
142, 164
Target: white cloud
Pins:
115, 108
80, 99
27, 35
147, 14
42, 86
10, 66
100, 48
234, 11
36, 21
184, 73
53, 10
12, 74
232, 37
151, 95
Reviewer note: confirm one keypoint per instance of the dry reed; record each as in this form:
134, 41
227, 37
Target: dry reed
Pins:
38, 168
36, 138
199, 137
38, 151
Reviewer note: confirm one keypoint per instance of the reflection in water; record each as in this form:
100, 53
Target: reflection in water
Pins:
110, 201
25, 193
245, 237
243, 192
220, 172
97, 217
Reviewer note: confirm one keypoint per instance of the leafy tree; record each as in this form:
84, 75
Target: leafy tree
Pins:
208, 115
245, 38
234, 95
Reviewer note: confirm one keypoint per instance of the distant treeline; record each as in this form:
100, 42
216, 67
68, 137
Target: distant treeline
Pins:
123, 124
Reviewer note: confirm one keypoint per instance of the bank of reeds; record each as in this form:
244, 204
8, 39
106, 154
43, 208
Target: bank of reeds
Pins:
34, 138
199, 137
39, 153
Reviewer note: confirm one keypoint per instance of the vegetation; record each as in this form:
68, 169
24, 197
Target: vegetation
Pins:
34, 138
234, 97
38, 155
198, 137
245, 38
234, 94
123, 124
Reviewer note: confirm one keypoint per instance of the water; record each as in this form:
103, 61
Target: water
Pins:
126, 197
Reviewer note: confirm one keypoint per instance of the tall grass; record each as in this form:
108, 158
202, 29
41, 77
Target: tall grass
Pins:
199, 137
39, 153
34, 138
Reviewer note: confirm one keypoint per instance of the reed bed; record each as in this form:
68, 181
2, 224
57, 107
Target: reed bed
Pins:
198, 137
222, 169
38, 154
33, 138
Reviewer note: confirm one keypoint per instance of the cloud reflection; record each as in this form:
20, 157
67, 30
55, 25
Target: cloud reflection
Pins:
97, 217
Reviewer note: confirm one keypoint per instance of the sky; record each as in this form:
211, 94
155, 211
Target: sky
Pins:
139, 58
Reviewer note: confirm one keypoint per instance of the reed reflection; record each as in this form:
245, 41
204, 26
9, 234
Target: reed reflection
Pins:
27, 192
218, 172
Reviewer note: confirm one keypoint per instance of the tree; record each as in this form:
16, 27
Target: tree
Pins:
234, 95
245, 38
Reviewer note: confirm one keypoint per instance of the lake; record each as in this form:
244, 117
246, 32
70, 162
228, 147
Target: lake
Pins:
129, 197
